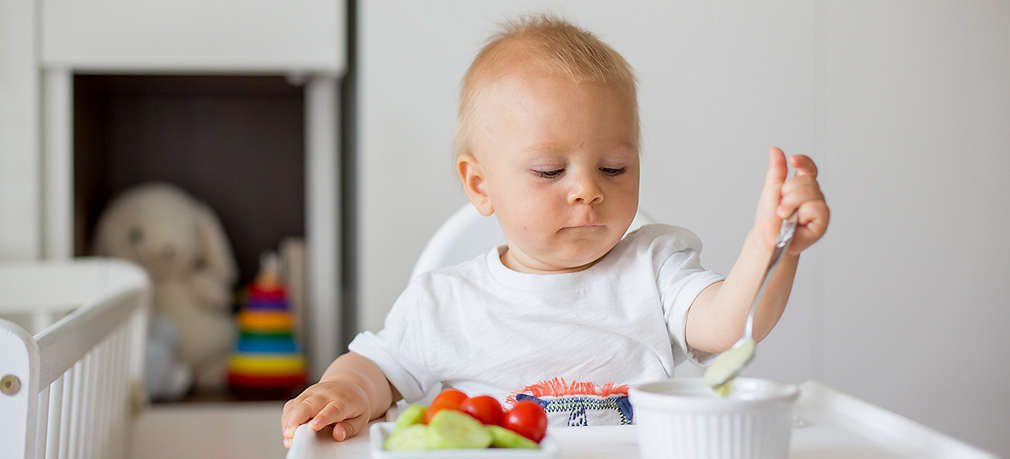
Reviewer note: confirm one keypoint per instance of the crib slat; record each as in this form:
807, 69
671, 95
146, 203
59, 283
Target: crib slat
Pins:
42, 422
109, 397
88, 405
80, 396
61, 443
69, 403
94, 441
101, 417
87, 444
74, 410
92, 445
82, 410
114, 395
103, 401
125, 381
117, 437
123, 384
105, 406
55, 410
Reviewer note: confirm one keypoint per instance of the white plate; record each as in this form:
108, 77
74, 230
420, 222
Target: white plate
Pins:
380, 431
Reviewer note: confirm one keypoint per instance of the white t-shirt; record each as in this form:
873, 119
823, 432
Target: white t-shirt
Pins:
573, 342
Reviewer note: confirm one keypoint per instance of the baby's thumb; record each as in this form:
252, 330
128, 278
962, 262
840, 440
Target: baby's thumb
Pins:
350, 427
771, 194
777, 168
765, 220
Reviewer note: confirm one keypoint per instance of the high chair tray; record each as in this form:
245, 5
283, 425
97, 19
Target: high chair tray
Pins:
828, 425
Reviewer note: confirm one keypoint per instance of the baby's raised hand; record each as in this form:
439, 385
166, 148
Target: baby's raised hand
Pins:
332, 402
781, 197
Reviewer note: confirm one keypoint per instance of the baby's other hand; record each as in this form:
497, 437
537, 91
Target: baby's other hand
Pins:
781, 197
332, 402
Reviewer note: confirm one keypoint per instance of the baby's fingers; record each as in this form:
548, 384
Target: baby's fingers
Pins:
814, 216
299, 410
334, 411
349, 427
795, 196
804, 165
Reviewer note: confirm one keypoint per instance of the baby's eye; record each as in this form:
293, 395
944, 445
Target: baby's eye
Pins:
611, 171
549, 174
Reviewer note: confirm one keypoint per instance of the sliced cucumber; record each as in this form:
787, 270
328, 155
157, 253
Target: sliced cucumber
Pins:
504, 438
414, 414
722, 389
451, 429
410, 438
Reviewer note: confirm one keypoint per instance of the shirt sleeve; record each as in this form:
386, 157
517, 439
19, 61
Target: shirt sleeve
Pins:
398, 349
681, 278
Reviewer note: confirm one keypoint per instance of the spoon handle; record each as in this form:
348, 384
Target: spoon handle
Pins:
786, 231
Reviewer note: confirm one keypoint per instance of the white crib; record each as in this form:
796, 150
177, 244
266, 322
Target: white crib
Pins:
66, 386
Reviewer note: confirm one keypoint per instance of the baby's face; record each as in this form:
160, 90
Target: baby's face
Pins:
561, 168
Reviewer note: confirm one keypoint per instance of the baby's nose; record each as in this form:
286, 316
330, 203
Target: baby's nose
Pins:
586, 192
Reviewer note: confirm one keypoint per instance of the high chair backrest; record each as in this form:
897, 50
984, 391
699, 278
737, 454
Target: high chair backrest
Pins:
65, 387
467, 234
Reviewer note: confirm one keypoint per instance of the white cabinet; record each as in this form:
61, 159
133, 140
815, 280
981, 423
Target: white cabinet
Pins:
44, 44
219, 35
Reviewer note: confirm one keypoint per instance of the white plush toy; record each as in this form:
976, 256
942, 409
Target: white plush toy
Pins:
182, 245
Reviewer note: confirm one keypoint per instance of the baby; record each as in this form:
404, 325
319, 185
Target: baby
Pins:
570, 311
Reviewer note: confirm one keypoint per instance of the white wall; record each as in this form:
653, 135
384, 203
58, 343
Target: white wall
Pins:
904, 105
19, 169
915, 121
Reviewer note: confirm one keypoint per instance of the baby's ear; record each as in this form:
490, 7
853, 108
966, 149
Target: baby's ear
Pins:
471, 174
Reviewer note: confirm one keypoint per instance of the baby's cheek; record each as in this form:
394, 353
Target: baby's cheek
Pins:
538, 211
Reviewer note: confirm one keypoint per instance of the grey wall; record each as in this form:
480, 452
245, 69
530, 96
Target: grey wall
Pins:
904, 105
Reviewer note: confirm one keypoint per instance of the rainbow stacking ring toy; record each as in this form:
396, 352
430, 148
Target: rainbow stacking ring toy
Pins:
266, 361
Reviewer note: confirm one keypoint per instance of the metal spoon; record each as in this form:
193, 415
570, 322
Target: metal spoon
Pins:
732, 361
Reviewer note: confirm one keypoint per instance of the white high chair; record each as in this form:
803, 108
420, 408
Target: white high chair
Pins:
66, 385
467, 234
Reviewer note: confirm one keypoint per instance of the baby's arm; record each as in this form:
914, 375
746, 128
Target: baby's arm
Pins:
351, 392
715, 321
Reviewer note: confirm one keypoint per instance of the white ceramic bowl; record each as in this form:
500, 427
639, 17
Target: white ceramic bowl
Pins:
683, 418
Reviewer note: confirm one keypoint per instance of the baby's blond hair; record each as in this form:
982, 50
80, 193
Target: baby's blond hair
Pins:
556, 46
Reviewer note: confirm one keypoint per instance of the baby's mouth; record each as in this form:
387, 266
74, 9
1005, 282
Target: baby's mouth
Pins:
583, 227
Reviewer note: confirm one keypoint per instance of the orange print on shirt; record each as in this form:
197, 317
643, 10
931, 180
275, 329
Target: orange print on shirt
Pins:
557, 387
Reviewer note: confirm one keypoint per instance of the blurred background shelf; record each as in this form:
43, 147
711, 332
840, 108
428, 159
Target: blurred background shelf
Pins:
238, 104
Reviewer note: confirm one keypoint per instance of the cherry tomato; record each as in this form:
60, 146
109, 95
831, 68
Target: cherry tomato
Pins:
528, 419
449, 399
483, 408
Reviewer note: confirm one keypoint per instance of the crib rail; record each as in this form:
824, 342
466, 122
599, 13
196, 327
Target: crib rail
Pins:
65, 391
